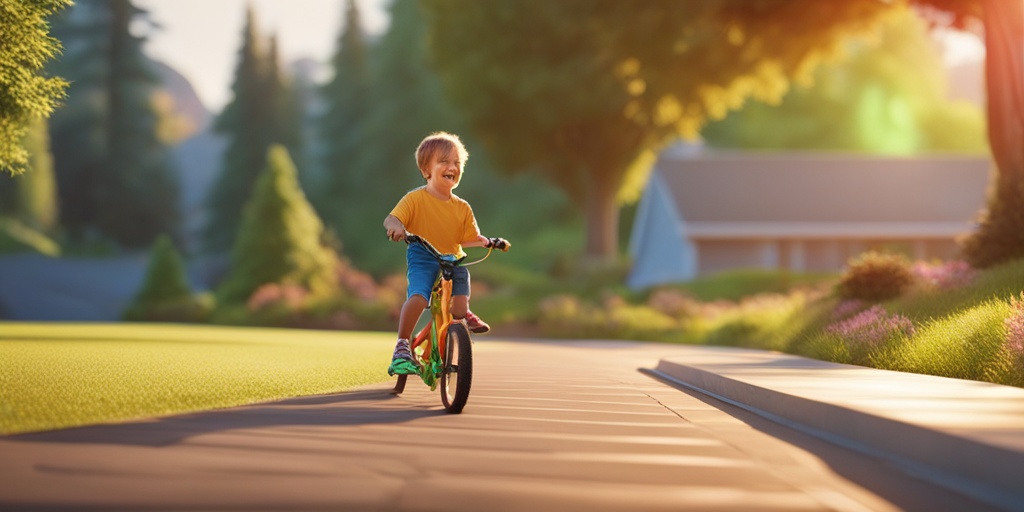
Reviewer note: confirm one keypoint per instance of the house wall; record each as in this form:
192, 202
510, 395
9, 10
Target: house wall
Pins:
815, 255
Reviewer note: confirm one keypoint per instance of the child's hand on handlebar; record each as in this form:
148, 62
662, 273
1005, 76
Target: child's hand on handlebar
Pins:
396, 234
499, 243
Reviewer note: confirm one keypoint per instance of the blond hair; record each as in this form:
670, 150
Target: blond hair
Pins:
440, 142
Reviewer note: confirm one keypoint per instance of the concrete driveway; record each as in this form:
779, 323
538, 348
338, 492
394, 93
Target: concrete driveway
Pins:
549, 426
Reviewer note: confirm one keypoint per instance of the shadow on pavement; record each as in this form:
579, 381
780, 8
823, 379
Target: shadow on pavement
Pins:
323, 410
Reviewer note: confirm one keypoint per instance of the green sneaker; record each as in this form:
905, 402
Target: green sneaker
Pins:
400, 366
403, 362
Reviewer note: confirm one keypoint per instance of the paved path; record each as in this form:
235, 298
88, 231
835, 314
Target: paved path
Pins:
549, 426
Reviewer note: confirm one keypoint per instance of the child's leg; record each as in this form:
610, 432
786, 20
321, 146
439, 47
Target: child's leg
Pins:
411, 311
460, 305
460, 302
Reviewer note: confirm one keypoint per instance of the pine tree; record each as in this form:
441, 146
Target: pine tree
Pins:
341, 127
263, 111
25, 92
280, 238
165, 294
114, 172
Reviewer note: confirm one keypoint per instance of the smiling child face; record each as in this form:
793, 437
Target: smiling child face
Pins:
444, 171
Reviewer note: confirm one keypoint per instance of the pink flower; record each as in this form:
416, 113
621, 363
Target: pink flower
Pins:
944, 276
872, 327
1015, 328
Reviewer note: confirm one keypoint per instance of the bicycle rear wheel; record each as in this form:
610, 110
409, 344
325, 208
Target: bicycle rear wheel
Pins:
457, 376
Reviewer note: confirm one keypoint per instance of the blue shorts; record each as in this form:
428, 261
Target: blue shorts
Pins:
423, 270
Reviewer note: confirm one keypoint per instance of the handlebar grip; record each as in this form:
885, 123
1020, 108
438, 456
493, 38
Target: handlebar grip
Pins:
500, 244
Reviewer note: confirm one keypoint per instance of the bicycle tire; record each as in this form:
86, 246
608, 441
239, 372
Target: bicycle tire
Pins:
457, 376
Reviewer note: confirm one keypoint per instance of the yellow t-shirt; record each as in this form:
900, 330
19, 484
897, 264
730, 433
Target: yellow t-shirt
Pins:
445, 224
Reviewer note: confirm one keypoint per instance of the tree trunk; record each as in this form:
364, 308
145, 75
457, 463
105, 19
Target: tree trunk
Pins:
1000, 235
602, 220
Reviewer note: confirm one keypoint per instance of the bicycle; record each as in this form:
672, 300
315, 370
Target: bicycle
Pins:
443, 348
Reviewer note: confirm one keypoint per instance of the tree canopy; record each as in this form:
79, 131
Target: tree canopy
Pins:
114, 174
583, 91
262, 112
25, 92
887, 98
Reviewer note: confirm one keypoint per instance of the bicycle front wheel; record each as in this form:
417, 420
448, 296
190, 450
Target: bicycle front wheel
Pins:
457, 376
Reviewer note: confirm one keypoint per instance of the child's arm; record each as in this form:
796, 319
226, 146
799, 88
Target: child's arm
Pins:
479, 241
394, 228
482, 241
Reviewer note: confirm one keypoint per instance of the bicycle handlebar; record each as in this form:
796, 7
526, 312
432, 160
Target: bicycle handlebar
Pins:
493, 243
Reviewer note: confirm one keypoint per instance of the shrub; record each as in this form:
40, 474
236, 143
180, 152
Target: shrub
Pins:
1014, 344
280, 238
944, 276
866, 335
165, 295
876, 277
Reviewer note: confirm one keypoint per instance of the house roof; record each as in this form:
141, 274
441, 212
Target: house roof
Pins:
814, 194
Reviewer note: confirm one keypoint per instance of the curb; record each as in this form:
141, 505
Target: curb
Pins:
955, 460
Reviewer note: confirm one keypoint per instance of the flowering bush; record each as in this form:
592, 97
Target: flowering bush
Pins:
1014, 323
876, 277
673, 303
846, 309
945, 275
273, 295
872, 327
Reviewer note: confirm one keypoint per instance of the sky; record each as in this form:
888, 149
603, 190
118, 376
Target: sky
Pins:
201, 38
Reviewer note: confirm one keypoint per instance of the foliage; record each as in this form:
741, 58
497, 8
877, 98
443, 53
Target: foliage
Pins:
63, 375
280, 238
594, 86
346, 97
114, 174
26, 93
885, 97
862, 335
875, 276
402, 102
165, 295
17, 237
260, 113
31, 197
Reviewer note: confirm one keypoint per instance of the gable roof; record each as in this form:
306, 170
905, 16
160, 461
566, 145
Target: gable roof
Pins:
814, 194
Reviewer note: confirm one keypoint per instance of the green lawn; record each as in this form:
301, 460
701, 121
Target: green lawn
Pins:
56, 375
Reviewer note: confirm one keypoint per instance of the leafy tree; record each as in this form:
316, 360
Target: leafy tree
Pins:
585, 91
165, 294
32, 197
1000, 234
25, 93
884, 98
258, 116
280, 238
114, 173
346, 98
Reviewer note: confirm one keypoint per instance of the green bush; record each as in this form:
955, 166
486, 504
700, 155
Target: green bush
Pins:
165, 295
875, 277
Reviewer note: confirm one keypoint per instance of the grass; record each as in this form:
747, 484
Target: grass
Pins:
63, 375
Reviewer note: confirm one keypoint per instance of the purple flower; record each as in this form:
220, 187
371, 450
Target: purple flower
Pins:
944, 276
872, 327
1015, 328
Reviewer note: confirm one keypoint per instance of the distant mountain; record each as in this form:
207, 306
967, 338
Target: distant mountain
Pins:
185, 102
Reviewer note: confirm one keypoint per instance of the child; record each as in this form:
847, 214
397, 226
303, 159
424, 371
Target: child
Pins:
446, 221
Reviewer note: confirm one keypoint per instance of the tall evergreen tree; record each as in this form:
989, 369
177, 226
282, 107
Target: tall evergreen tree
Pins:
25, 92
114, 173
280, 238
139, 196
260, 114
346, 97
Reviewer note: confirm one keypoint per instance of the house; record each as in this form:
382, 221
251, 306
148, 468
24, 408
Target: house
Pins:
705, 211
